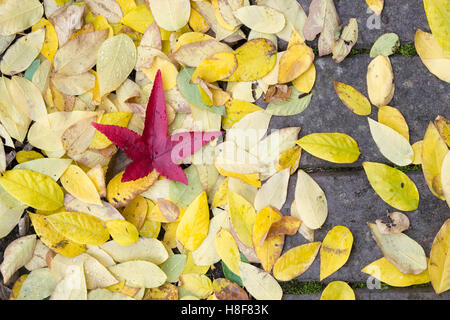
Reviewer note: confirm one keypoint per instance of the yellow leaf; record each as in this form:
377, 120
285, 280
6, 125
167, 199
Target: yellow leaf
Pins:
236, 110
434, 150
33, 188
170, 234
289, 159
445, 177
167, 291
193, 227
228, 250
264, 220
116, 59
417, 148
215, 68
139, 18
97, 176
197, 22
150, 229
338, 290
17, 16
79, 227
123, 232
192, 267
169, 72
376, 6
53, 239
438, 18
386, 272
127, 5
17, 286
393, 186
335, 250
260, 284
120, 194
305, 82
439, 263
198, 284
170, 15
333, 147
136, 212
270, 251
51, 38
380, 81
191, 37
242, 216
139, 274
443, 126
252, 179
78, 184
256, 58
394, 119
24, 156
295, 261
392, 145
121, 119
353, 99
311, 205
261, 18
220, 196
294, 62
164, 211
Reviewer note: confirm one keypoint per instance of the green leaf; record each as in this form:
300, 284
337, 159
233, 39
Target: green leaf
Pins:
174, 266
191, 92
296, 104
182, 195
385, 45
230, 275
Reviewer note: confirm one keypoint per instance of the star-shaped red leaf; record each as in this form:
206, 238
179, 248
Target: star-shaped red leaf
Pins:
154, 149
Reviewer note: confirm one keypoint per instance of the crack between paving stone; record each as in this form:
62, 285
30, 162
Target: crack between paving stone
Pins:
406, 50
413, 167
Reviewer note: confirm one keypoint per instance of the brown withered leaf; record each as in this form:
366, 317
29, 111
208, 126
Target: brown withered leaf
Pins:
399, 223
278, 93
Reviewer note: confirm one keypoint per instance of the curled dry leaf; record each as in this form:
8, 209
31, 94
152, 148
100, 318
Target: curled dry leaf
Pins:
323, 19
400, 223
346, 41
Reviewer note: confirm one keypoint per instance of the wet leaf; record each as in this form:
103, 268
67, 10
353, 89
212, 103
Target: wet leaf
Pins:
170, 15
17, 16
39, 285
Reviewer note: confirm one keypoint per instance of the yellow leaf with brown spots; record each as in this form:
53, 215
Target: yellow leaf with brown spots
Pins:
335, 250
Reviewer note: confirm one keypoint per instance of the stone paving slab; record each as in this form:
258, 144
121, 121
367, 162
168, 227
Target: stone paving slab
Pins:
419, 95
352, 203
403, 17
390, 294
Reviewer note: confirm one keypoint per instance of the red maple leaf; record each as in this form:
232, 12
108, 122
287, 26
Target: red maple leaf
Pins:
154, 149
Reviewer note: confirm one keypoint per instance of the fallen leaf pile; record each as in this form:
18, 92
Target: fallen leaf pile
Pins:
175, 85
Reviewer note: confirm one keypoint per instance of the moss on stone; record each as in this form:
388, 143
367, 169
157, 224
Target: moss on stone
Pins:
407, 50
298, 288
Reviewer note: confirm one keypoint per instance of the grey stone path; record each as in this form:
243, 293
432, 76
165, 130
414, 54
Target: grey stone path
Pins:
420, 96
